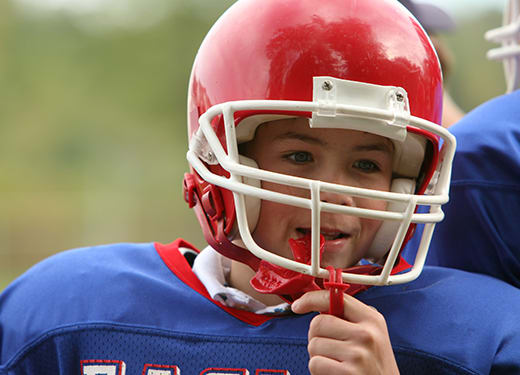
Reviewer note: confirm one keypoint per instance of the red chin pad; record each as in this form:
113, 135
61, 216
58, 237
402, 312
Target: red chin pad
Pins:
290, 285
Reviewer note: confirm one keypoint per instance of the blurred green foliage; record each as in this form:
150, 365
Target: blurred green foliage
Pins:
93, 130
473, 78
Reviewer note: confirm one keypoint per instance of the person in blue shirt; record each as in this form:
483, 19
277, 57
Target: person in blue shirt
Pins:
479, 233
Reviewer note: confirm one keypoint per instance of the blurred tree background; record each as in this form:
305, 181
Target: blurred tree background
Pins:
92, 119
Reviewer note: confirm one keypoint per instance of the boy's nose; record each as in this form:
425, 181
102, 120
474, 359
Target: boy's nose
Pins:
335, 198
335, 176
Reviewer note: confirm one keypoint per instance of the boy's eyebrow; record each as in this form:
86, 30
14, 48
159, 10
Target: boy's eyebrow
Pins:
301, 137
386, 147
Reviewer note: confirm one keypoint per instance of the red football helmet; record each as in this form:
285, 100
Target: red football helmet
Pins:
363, 65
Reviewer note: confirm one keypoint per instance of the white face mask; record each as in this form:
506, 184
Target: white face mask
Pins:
385, 108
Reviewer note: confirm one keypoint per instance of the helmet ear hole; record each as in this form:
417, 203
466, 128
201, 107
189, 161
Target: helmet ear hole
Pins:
387, 231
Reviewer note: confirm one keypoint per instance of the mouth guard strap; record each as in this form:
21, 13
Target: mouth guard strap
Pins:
337, 289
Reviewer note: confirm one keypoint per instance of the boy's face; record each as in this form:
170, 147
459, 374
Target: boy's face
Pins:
339, 156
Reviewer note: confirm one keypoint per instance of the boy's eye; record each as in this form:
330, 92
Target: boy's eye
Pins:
300, 157
366, 165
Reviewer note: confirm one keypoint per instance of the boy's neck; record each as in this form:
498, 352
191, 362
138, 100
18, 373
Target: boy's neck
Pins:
239, 277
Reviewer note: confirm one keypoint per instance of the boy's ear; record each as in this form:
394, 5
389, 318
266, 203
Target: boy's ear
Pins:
385, 236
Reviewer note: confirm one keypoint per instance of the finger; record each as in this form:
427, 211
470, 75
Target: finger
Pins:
343, 353
330, 326
312, 301
319, 365
330, 348
355, 361
353, 310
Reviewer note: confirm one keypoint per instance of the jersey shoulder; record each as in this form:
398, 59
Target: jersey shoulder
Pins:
82, 286
488, 144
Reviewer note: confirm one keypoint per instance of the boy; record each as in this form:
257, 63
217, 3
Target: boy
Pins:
313, 136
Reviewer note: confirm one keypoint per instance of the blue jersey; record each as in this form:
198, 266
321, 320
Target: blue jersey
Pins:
480, 232
139, 309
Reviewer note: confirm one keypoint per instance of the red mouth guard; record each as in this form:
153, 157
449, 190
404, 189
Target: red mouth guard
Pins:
291, 285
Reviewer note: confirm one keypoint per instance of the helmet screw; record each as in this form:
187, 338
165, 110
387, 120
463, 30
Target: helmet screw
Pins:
327, 85
399, 96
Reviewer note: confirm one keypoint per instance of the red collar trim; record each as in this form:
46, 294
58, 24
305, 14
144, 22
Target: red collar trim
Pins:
176, 262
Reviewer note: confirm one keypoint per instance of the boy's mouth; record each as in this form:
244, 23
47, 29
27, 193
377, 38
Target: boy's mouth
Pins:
327, 233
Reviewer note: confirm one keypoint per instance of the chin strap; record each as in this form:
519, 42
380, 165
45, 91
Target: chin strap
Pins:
337, 288
291, 285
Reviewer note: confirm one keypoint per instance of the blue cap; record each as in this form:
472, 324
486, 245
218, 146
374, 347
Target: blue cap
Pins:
431, 17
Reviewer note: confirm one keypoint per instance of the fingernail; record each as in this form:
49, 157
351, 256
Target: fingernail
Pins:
295, 305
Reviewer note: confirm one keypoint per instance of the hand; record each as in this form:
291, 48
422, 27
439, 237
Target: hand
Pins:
357, 344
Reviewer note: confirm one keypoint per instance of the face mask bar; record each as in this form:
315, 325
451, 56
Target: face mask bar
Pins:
205, 146
509, 36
